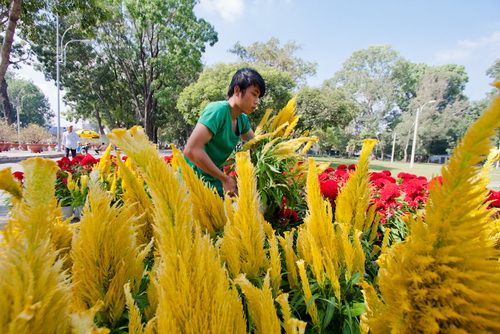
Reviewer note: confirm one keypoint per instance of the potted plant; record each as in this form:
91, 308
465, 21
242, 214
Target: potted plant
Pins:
35, 135
7, 134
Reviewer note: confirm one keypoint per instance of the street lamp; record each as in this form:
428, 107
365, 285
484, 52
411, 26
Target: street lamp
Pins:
414, 144
19, 106
60, 52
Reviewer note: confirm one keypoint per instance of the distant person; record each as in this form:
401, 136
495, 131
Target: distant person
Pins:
100, 148
71, 141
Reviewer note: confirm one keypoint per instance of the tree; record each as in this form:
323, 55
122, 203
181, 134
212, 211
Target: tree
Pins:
324, 107
214, 81
494, 71
158, 47
367, 78
444, 85
141, 60
272, 54
29, 100
27, 14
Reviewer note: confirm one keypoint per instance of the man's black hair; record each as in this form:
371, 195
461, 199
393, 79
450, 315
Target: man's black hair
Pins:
246, 77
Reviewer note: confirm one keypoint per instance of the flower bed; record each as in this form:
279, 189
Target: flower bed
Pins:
158, 251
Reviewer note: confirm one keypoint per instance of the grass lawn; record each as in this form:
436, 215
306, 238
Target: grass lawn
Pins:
420, 169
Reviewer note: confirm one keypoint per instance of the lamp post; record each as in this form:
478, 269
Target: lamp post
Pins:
60, 54
20, 105
414, 144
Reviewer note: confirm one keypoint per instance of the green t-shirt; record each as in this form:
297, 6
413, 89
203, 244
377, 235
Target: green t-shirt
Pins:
217, 118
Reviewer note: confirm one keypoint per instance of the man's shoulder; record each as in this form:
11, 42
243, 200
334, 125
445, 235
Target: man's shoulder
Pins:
217, 105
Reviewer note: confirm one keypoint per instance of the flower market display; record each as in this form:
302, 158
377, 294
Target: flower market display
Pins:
303, 248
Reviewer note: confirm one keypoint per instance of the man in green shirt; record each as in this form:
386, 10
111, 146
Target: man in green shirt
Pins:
221, 126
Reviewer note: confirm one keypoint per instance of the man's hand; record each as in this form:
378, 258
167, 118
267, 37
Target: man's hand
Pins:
229, 186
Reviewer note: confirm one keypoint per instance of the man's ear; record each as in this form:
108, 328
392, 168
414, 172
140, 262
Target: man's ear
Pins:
237, 90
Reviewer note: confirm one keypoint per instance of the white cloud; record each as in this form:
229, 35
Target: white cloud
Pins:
465, 49
230, 10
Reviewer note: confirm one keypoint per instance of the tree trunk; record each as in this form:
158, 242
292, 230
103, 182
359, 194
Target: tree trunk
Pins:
7, 110
405, 159
98, 118
14, 13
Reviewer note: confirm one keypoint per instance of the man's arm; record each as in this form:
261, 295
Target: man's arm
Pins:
247, 135
194, 152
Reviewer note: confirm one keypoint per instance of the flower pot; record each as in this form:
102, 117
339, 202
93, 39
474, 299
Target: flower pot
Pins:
67, 212
4, 147
77, 211
35, 148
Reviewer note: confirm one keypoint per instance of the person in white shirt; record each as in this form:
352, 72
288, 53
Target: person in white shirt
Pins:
71, 141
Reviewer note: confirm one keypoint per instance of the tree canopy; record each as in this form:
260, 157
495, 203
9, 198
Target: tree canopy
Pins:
270, 53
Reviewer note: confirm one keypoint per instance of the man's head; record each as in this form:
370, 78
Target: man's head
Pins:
244, 78
70, 128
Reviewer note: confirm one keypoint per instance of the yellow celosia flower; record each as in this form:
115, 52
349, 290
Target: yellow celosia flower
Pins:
135, 194
260, 305
291, 258
104, 165
105, 254
312, 310
208, 206
275, 263
32, 281
242, 246
442, 279
354, 198
9, 184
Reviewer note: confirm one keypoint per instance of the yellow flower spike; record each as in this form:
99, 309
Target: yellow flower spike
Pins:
112, 188
84, 180
263, 123
275, 262
69, 182
444, 278
313, 310
298, 326
242, 246
285, 310
493, 157
260, 305
316, 242
208, 206
354, 198
104, 164
385, 240
9, 184
291, 258
106, 254
286, 115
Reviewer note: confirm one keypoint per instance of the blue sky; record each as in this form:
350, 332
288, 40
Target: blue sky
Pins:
464, 32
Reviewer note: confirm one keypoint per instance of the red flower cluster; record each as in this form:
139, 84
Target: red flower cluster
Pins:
168, 158
494, 197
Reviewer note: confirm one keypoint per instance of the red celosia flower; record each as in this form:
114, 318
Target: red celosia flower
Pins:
494, 196
329, 189
18, 175
88, 160
168, 158
341, 167
351, 167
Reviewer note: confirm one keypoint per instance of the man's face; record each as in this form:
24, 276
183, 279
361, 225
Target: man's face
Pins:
70, 129
249, 100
